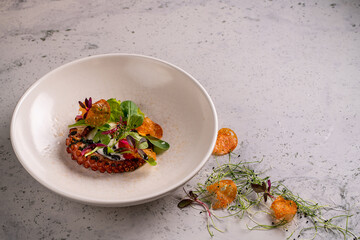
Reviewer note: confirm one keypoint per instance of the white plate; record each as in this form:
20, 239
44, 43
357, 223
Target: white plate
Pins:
164, 92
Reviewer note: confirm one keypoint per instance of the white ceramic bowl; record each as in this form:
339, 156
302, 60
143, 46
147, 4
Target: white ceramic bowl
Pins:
164, 92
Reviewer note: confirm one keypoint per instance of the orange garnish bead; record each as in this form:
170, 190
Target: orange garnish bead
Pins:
283, 209
226, 141
98, 114
224, 191
151, 128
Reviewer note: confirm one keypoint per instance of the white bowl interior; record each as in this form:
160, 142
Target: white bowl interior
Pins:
163, 92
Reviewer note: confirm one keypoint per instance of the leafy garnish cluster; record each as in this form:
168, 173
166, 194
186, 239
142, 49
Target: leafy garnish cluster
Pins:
117, 136
253, 192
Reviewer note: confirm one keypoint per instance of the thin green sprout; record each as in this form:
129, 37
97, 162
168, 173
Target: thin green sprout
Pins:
210, 218
292, 233
247, 199
327, 225
260, 226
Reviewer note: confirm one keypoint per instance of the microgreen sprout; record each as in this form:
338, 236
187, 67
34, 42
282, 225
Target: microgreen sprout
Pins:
193, 199
136, 147
249, 184
92, 146
86, 106
111, 130
262, 188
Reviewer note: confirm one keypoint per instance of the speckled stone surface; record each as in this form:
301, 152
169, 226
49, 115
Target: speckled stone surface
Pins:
285, 75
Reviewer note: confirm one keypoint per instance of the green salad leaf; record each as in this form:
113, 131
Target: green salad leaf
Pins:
104, 127
151, 161
81, 122
141, 142
109, 150
102, 138
136, 136
127, 117
160, 146
132, 114
115, 108
78, 123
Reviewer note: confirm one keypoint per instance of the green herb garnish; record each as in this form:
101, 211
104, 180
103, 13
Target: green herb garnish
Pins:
123, 119
160, 146
115, 113
131, 114
252, 195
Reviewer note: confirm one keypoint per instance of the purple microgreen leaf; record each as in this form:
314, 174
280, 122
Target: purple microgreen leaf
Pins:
258, 188
111, 131
91, 146
142, 140
265, 196
107, 132
184, 203
142, 154
86, 102
82, 105
269, 185
85, 115
187, 202
100, 145
131, 141
90, 102
84, 150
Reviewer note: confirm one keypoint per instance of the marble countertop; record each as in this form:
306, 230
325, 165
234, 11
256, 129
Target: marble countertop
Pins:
284, 75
